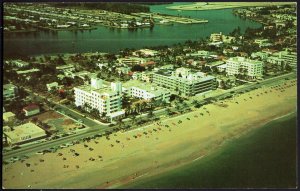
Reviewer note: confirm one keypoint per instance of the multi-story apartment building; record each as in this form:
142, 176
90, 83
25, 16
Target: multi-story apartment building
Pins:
105, 99
289, 56
241, 65
146, 91
283, 57
184, 81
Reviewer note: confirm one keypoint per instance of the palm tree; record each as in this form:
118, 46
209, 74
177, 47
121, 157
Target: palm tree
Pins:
144, 105
168, 110
138, 107
150, 114
103, 115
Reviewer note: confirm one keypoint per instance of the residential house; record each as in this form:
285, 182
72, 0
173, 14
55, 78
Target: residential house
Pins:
31, 109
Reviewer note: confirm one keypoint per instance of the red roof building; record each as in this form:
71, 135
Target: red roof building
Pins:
31, 109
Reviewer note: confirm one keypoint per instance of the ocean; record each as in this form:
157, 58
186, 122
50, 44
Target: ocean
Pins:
263, 158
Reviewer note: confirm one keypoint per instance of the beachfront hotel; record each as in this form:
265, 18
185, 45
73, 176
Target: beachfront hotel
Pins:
185, 81
146, 91
98, 96
239, 65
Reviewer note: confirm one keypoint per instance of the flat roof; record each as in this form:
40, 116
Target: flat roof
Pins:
102, 90
8, 86
65, 66
151, 88
27, 71
26, 129
8, 114
217, 63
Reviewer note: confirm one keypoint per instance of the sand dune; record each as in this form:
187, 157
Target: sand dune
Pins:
124, 158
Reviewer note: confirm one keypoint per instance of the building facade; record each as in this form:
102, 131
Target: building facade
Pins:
8, 117
31, 110
24, 133
150, 92
107, 100
185, 82
241, 65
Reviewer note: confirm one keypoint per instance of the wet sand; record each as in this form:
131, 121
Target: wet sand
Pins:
156, 148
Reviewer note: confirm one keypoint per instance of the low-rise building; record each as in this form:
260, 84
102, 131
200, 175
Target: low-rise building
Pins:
131, 61
52, 86
289, 56
241, 65
216, 37
25, 133
64, 68
25, 72
20, 63
184, 81
214, 64
262, 55
31, 109
222, 67
123, 70
9, 91
146, 52
81, 74
262, 42
137, 75
146, 91
8, 117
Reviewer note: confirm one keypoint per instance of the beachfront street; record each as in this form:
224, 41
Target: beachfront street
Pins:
88, 122
29, 149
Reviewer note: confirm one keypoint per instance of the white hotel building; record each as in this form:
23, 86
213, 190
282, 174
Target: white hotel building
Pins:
146, 91
185, 82
235, 65
103, 98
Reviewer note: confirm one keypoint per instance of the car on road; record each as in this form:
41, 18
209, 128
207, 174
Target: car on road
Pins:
63, 146
15, 158
40, 153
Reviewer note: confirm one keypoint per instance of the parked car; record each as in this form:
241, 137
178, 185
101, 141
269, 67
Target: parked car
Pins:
40, 153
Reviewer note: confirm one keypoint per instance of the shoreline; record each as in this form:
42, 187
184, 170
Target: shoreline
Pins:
223, 5
195, 158
157, 180
154, 152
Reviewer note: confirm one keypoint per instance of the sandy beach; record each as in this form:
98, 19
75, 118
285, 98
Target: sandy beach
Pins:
155, 148
223, 5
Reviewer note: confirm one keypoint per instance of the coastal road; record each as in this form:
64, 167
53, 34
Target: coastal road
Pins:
93, 131
28, 149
